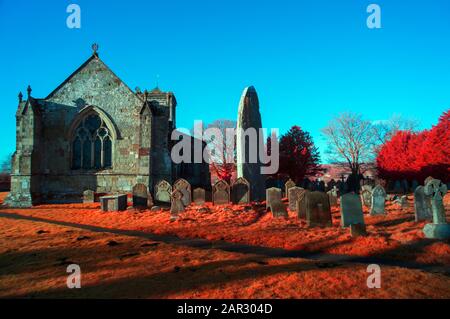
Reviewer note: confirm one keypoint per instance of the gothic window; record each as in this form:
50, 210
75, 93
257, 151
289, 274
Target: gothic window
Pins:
92, 144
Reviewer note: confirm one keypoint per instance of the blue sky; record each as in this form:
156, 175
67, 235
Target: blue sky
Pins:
308, 60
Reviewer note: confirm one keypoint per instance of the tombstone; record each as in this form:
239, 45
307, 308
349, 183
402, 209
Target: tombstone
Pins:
318, 211
114, 203
378, 201
293, 195
422, 205
301, 204
88, 196
240, 191
163, 192
439, 229
278, 209
404, 202
248, 163
199, 196
367, 187
289, 184
221, 193
140, 195
351, 210
366, 197
428, 179
272, 195
176, 204
357, 230
185, 188
332, 197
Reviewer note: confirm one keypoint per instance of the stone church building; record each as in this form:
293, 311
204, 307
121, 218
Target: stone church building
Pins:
94, 132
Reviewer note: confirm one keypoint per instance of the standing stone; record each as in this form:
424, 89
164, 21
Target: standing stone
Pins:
248, 163
318, 211
366, 197
185, 188
273, 194
301, 204
378, 201
351, 210
289, 184
293, 196
176, 205
163, 192
422, 205
199, 196
114, 203
439, 229
140, 195
404, 202
221, 193
278, 209
88, 196
240, 191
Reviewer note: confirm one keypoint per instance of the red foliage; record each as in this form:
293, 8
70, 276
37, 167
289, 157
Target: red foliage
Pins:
417, 155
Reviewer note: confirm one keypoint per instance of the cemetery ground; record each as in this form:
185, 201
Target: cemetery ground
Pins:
228, 251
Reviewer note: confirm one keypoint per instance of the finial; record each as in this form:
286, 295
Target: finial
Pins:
20, 97
145, 95
95, 49
29, 90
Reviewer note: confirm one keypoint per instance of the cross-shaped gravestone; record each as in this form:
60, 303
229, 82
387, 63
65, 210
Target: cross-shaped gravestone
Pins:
439, 229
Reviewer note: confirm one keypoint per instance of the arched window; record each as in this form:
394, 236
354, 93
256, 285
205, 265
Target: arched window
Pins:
92, 144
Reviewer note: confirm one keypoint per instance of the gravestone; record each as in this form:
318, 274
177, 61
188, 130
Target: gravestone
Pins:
404, 202
185, 188
163, 192
428, 179
439, 229
332, 196
294, 194
378, 201
248, 163
221, 193
140, 195
88, 196
199, 196
240, 191
278, 209
273, 194
351, 210
301, 204
289, 184
366, 197
113, 203
318, 211
176, 205
422, 205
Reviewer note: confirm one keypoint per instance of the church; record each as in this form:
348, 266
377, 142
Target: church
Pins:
95, 133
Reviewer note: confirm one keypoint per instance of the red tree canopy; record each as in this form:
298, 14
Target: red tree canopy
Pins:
417, 155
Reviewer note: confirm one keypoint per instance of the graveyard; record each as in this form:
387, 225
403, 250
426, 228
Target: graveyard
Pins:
219, 248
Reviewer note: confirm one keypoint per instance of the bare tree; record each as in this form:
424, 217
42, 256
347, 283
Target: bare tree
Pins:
350, 141
384, 130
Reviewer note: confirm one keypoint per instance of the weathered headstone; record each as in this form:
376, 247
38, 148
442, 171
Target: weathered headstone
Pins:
272, 195
199, 196
240, 191
289, 184
176, 205
88, 196
248, 163
221, 193
366, 197
140, 195
439, 229
378, 201
163, 192
185, 188
114, 203
351, 210
404, 202
428, 179
332, 196
422, 205
278, 209
301, 204
294, 194
318, 211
